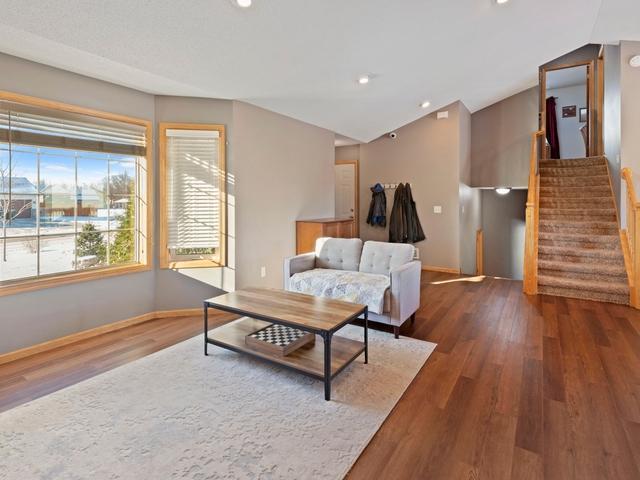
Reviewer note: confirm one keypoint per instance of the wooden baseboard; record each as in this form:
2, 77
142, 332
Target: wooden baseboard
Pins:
94, 332
429, 268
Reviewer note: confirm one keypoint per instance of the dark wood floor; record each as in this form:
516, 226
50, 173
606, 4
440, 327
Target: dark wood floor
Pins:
518, 387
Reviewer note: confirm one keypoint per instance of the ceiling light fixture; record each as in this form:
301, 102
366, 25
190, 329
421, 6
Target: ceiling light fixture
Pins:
244, 3
501, 2
503, 190
363, 80
425, 104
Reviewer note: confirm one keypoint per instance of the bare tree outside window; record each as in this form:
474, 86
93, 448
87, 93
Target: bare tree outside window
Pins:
8, 210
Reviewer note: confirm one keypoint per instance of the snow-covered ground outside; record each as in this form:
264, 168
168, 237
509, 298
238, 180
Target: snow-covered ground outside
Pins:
57, 253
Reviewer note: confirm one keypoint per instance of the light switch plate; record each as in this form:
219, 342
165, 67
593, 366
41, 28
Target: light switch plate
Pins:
437, 209
263, 272
442, 115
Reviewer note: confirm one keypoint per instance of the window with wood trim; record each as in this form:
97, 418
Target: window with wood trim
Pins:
73, 194
192, 195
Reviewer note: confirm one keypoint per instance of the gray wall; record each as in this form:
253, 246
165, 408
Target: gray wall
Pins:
501, 141
582, 54
279, 169
426, 154
470, 199
611, 115
283, 170
630, 114
348, 152
503, 226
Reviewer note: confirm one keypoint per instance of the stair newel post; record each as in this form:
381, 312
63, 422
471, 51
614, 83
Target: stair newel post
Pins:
530, 280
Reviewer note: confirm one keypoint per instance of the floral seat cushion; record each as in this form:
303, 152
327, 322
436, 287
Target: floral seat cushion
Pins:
356, 287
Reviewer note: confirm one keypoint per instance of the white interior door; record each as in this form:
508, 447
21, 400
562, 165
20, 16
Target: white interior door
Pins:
345, 190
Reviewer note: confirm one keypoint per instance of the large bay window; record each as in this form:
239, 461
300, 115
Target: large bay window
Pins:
73, 194
192, 195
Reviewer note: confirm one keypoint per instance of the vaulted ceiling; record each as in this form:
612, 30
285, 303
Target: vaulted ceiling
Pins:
302, 58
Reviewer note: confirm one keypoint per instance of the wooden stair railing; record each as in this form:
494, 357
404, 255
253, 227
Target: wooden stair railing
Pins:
530, 281
630, 238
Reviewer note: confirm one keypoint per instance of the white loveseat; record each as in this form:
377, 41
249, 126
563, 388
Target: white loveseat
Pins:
358, 266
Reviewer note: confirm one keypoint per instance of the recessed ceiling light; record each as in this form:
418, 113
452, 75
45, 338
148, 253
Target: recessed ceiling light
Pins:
501, 2
244, 3
425, 104
503, 190
363, 80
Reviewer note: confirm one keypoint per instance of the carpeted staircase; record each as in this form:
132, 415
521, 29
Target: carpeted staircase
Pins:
579, 250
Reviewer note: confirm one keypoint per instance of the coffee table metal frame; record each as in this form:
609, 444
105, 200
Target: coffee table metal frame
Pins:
326, 335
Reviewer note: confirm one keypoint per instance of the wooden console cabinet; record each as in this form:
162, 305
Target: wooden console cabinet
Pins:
307, 231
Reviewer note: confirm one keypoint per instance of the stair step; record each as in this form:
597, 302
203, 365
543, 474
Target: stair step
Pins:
579, 213
587, 285
571, 203
580, 240
582, 275
586, 227
619, 298
577, 171
557, 192
597, 253
610, 261
572, 162
567, 268
584, 181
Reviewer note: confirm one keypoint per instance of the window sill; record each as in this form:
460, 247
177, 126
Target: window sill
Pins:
192, 264
69, 278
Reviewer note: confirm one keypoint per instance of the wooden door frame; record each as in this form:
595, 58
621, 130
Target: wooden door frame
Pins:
594, 125
356, 207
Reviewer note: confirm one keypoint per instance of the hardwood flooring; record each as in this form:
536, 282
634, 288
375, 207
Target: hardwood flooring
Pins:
518, 387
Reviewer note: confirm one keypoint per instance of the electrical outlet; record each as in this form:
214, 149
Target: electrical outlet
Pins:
437, 209
263, 272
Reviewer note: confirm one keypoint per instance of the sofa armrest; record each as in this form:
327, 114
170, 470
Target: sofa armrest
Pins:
297, 264
405, 291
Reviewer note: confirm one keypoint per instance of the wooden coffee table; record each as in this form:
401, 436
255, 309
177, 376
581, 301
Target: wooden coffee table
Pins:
260, 307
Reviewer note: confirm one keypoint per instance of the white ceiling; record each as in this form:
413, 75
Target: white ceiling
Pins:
302, 57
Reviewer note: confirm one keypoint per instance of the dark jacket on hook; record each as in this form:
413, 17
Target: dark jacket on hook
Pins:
378, 208
404, 224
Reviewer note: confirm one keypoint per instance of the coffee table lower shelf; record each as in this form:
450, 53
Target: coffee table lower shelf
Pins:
308, 359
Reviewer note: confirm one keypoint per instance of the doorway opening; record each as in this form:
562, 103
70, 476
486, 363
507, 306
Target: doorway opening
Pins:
347, 192
567, 111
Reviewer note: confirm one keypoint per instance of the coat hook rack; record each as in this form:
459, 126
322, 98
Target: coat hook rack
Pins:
390, 186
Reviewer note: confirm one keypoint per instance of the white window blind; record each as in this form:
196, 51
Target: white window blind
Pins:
193, 189
27, 125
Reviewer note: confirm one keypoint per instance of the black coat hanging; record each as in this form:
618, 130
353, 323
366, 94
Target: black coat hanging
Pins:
404, 224
378, 208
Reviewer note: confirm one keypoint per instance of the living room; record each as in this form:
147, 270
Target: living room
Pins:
186, 290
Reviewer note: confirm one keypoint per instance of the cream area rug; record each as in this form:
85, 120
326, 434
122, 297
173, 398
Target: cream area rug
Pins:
177, 414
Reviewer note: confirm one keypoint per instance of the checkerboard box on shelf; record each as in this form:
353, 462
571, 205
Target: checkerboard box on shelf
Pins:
279, 339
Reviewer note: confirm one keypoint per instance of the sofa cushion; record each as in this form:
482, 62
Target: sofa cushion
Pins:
382, 257
364, 288
338, 253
